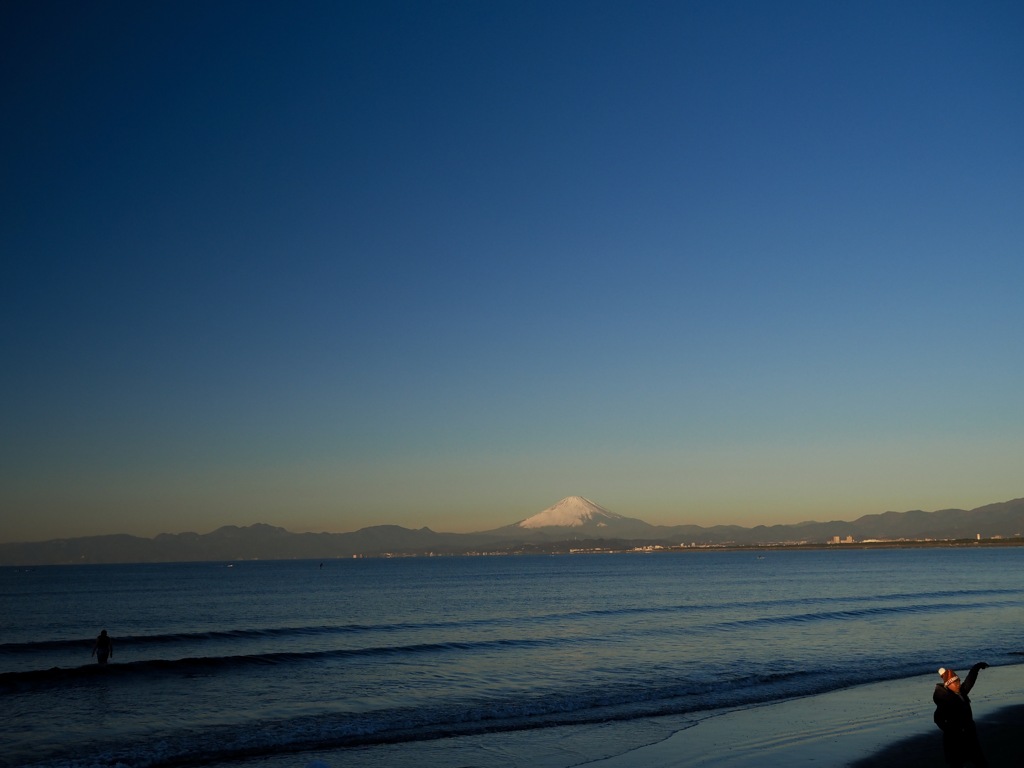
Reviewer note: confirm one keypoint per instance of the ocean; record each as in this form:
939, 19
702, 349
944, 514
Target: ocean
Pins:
538, 661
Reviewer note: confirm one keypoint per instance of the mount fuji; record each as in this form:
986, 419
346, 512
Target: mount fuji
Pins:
576, 517
572, 512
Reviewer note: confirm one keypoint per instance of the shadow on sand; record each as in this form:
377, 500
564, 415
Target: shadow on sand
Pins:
998, 731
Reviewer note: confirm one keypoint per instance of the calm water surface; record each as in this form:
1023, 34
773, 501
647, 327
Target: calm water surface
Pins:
472, 661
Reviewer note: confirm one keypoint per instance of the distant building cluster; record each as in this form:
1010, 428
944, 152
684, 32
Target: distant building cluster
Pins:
837, 540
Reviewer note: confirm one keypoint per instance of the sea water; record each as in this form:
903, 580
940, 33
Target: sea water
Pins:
484, 661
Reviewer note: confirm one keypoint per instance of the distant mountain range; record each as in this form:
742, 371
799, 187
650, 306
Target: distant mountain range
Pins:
572, 523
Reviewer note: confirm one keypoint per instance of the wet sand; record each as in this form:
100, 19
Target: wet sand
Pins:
1000, 738
879, 724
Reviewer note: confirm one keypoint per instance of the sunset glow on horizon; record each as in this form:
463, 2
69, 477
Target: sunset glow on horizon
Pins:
336, 265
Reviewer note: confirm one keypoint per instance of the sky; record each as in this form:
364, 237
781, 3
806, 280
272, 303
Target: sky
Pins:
327, 265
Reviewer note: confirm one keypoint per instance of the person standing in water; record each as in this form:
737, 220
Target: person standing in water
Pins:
104, 648
953, 715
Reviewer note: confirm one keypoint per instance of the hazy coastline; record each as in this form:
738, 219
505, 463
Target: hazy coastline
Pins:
574, 525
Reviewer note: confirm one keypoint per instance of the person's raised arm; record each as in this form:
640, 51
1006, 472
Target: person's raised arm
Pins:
972, 677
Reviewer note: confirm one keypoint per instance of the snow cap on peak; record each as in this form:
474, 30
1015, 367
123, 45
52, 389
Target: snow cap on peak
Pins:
570, 512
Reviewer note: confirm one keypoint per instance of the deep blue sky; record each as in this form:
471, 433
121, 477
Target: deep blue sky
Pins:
326, 265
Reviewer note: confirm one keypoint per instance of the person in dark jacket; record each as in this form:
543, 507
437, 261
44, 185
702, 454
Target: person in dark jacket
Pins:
104, 647
953, 715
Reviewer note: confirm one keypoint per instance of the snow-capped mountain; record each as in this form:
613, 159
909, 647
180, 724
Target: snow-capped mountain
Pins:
576, 517
571, 512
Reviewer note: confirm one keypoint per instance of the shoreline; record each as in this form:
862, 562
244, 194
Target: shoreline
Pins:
573, 548
999, 732
872, 725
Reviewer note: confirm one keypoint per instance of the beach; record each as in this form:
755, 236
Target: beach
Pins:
878, 724
712, 659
